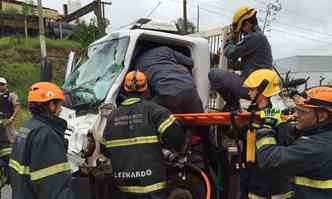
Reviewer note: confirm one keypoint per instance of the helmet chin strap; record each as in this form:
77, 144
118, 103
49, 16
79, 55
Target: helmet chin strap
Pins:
260, 90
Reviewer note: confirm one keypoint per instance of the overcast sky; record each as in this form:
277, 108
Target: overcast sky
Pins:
302, 27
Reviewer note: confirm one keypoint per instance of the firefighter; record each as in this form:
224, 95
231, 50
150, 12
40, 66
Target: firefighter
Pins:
264, 89
9, 107
170, 79
133, 139
39, 167
246, 41
308, 159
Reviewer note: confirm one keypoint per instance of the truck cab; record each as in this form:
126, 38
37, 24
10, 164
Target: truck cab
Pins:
93, 82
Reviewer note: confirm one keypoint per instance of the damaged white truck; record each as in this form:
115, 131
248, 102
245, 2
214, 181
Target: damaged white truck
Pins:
92, 86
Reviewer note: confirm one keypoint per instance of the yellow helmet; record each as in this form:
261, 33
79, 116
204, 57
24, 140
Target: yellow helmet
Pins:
265, 79
240, 15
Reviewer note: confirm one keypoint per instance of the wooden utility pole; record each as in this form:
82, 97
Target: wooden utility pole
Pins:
99, 15
44, 70
185, 24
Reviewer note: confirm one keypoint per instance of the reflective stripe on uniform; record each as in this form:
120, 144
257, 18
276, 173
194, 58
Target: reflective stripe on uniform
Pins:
5, 151
319, 184
20, 169
131, 141
287, 195
42, 173
265, 141
52, 170
143, 189
254, 196
130, 101
165, 124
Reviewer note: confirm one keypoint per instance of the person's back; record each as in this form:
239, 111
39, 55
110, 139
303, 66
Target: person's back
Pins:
165, 77
171, 82
133, 139
132, 123
38, 163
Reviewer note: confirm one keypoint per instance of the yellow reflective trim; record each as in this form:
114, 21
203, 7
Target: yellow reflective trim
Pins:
52, 170
131, 141
319, 184
5, 151
20, 169
254, 196
143, 189
287, 195
165, 124
130, 101
265, 141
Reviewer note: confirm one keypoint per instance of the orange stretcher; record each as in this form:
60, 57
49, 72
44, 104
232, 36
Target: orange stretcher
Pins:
225, 118
212, 118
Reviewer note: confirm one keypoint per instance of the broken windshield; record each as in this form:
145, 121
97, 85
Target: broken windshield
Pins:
95, 72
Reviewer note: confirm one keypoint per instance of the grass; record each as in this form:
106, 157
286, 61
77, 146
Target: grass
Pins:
33, 43
20, 65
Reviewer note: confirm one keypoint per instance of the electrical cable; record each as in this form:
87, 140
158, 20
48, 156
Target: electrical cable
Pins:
206, 180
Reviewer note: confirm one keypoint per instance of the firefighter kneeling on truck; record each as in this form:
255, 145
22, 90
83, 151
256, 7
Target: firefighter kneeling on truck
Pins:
308, 160
133, 139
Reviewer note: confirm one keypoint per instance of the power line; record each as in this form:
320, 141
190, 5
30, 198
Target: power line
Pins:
202, 8
301, 36
216, 6
154, 9
300, 29
292, 12
305, 29
265, 3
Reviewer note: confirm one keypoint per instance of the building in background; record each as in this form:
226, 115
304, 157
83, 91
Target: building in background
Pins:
21, 18
17, 7
317, 68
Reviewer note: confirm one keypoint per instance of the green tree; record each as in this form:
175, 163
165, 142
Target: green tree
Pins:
27, 8
86, 33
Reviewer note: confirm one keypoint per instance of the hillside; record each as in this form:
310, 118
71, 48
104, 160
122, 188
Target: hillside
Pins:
19, 64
